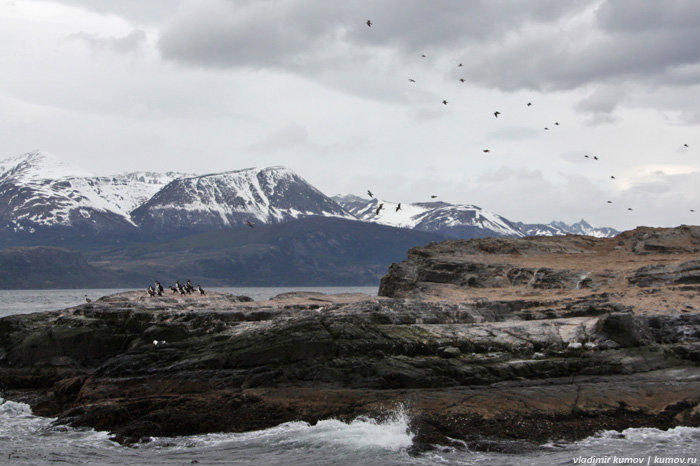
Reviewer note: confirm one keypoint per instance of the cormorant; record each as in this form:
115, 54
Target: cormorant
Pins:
629, 208
433, 196
496, 114
422, 56
556, 123
587, 156
199, 288
595, 157
685, 145
398, 207
609, 202
529, 104
444, 102
189, 287
412, 80
87, 300
460, 65
250, 224
461, 80
159, 288
546, 129
370, 193
379, 208
487, 150
612, 177
151, 291
369, 23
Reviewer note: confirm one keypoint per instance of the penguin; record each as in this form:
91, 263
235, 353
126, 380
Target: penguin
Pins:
199, 288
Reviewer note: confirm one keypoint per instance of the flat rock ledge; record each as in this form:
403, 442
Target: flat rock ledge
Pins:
485, 372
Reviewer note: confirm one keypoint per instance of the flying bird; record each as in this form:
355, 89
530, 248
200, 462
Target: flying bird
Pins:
496, 114
250, 224
556, 123
629, 208
685, 145
609, 202
587, 156
460, 65
612, 177
369, 23
529, 104
379, 208
398, 207
370, 193
444, 102
461, 80
412, 80
487, 150
595, 157
546, 129
692, 210
433, 196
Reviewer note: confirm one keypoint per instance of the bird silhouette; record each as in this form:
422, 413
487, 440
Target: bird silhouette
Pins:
422, 56
556, 123
487, 150
612, 177
685, 145
250, 224
692, 210
461, 80
412, 80
496, 114
609, 202
595, 157
370, 193
546, 129
369, 23
460, 65
381, 206
444, 102
87, 300
587, 156
629, 208
433, 196
398, 207
529, 104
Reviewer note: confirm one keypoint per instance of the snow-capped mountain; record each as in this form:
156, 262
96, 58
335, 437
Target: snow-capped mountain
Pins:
584, 228
223, 200
40, 191
457, 221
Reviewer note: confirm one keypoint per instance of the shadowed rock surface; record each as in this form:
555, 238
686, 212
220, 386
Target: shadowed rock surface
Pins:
498, 358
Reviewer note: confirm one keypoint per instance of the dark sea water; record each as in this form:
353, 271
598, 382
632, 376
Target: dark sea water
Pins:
30, 440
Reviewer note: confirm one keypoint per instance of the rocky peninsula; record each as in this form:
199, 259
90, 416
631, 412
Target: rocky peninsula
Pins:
483, 342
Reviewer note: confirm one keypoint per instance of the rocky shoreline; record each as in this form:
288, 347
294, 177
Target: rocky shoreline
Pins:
480, 342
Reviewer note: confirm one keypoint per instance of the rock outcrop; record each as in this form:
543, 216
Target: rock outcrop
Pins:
514, 354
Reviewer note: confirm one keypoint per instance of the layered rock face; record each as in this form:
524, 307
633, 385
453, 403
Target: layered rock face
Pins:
477, 363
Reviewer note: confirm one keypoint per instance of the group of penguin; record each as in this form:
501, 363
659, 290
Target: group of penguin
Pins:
187, 288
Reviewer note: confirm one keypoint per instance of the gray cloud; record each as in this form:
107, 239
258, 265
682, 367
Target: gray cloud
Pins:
150, 11
234, 33
128, 43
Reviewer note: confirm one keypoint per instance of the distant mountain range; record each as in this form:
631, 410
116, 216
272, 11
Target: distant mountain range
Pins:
41, 193
44, 202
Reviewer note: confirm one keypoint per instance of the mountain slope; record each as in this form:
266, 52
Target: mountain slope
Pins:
40, 193
223, 200
311, 251
452, 220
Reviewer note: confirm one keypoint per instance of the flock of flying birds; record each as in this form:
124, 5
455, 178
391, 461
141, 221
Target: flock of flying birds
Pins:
486, 151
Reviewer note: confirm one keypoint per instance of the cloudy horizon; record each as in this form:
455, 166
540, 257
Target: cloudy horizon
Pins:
218, 85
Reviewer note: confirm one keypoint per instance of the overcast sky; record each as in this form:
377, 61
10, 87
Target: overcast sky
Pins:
206, 86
